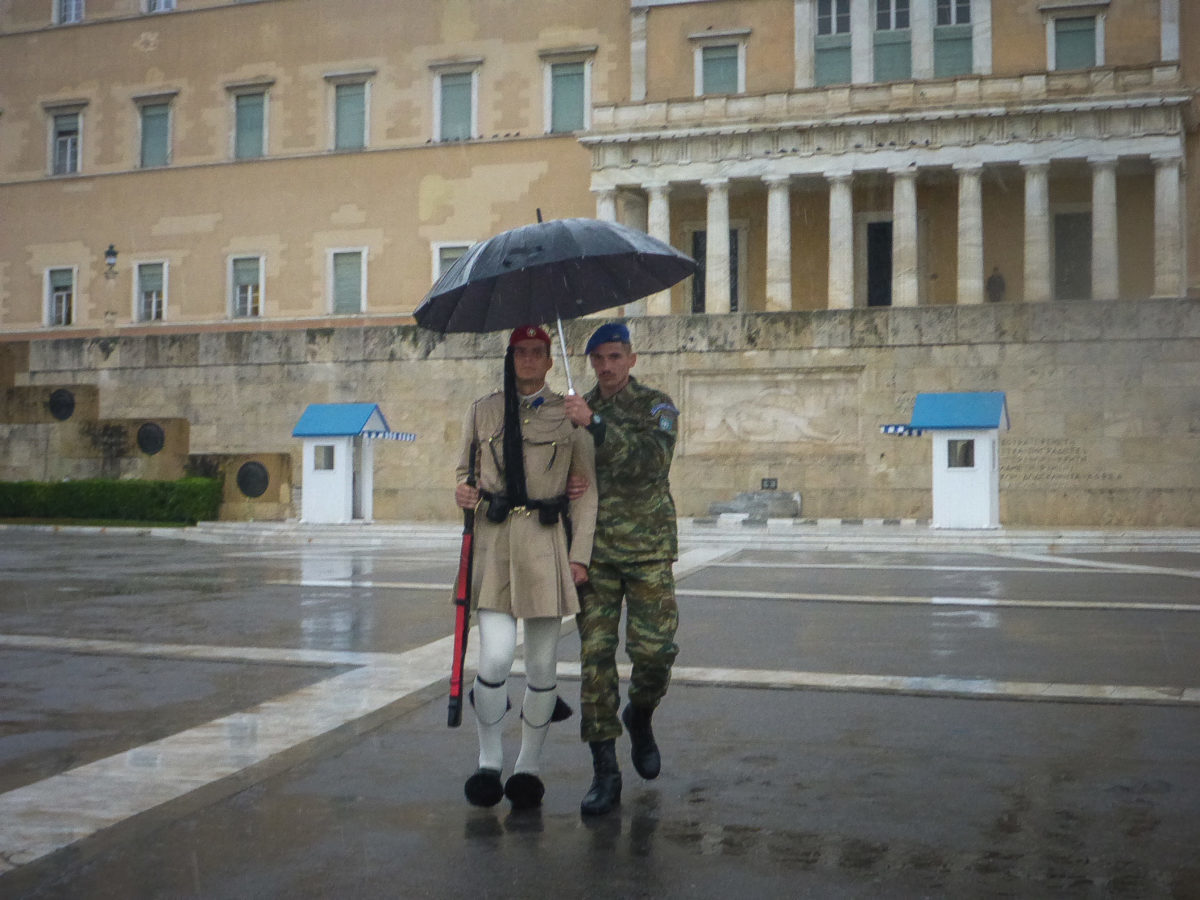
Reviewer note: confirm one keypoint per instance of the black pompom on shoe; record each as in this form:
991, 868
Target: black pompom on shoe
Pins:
525, 790
484, 788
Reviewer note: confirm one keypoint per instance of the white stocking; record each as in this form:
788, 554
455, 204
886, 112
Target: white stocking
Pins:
497, 645
541, 693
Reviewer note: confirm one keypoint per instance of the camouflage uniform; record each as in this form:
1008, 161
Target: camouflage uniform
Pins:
634, 547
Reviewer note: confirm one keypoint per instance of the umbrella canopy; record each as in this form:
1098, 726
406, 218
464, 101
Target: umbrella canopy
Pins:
549, 271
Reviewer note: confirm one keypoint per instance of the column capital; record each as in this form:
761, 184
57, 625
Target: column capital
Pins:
776, 179
968, 168
1102, 162
909, 171
1166, 159
604, 191
1035, 165
839, 176
713, 184
656, 187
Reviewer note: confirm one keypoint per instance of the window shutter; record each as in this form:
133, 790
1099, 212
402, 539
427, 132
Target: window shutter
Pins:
720, 74
456, 106
245, 271
1075, 43
347, 282
150, 277
833, 59
351, 115
249, 142
566, 90
953, 51
61, 278
893, 55
155, 119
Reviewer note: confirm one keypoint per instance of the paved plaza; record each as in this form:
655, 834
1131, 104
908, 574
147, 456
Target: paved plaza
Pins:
858, 710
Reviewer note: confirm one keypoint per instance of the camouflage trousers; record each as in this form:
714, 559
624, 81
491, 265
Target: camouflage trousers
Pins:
648, 591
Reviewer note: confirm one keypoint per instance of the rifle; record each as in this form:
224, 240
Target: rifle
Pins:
462, 603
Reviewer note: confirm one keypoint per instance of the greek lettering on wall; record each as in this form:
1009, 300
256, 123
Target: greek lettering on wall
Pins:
1048, 462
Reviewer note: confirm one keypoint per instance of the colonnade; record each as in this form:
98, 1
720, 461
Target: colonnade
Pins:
1038, 222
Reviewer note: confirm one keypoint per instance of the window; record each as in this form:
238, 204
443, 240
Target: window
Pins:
151, 299
446, 255
60, 296
350, 116
156, 135
348, 281
893, 41
1075, 43
65, 143
953, 49
249, 136
155, 6
720, 70
960, 454
700, 254
832, 50
833, 16
891, 15
68, 11
246, 286
455, 102
568, 96
323, 457
953, 12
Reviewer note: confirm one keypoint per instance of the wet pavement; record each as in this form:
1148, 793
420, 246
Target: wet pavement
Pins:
236, 715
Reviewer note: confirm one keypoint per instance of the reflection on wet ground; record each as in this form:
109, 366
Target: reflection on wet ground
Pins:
297, 693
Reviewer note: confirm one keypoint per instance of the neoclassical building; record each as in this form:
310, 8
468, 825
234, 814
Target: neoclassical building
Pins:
204, 204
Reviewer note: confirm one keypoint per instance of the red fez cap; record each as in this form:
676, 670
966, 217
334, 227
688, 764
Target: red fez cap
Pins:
528, 333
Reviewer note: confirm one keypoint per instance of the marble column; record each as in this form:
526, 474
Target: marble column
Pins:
905, 290
1106, 283
716, 252
1168, 228
841, 241
779, 243
658, 225
1037, 232
606, 204
970, 233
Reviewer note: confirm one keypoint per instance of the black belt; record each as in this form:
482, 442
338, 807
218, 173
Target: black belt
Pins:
548, 511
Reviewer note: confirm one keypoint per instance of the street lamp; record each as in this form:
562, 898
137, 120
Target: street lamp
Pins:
110, 259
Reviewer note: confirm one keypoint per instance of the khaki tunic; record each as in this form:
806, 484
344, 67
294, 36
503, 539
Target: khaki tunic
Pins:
521, 566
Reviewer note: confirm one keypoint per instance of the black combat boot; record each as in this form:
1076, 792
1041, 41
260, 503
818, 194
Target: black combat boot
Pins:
605, 792
645, 751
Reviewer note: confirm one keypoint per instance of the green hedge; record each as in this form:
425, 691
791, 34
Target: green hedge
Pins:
186, 500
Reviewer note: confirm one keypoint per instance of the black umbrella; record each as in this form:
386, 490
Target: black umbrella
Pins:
550, 271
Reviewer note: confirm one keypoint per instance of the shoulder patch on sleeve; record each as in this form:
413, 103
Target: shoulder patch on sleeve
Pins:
665, 414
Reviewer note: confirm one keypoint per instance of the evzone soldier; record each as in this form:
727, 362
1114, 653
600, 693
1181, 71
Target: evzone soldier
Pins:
532, 548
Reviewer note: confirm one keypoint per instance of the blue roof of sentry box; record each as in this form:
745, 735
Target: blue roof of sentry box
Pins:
339, 420
980, 409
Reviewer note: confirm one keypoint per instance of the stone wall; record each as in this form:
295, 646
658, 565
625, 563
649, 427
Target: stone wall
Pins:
1102, 395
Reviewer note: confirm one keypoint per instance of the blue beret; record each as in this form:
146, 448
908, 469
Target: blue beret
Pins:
613, 331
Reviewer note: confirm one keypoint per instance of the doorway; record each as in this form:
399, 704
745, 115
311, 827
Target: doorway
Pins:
1073, 256
879, 263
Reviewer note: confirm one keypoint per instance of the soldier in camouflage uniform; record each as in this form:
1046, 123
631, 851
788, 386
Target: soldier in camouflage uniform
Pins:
634, 430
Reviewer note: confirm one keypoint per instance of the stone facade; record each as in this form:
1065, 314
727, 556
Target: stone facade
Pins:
1105, 415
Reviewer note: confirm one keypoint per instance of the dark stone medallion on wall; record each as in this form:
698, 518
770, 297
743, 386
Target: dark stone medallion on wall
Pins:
150, 438
62, 404
253, 479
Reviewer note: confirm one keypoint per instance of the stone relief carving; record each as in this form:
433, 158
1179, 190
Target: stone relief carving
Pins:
747, 413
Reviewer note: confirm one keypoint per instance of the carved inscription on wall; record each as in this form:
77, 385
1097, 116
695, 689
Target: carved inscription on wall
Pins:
749, 413
1048, 462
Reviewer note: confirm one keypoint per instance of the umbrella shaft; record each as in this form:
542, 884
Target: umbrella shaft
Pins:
562, 343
